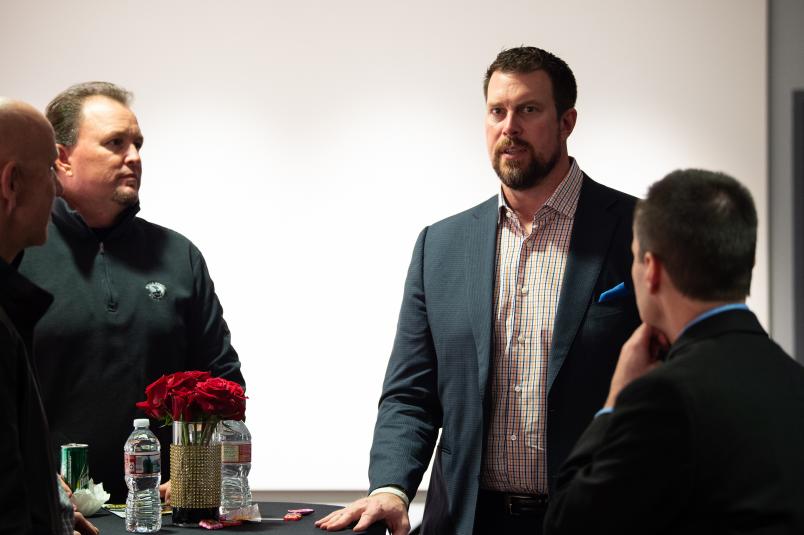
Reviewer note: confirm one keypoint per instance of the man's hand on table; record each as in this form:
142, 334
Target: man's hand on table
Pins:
83, 526
164, 492
384, 506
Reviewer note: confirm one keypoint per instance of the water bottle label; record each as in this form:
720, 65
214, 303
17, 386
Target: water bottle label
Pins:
139, 464
235, 453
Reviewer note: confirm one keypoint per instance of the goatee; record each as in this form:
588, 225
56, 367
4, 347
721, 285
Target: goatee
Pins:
516, 176
125, 196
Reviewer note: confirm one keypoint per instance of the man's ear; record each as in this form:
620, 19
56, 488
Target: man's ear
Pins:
9, 187
653, 271
63, 160
567, 123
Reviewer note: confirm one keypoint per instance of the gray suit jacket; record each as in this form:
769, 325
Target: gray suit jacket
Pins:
437, 376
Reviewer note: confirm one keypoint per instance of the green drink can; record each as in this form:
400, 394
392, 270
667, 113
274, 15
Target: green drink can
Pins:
75, 465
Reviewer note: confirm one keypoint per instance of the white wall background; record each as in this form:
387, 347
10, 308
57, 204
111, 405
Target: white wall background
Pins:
302, 145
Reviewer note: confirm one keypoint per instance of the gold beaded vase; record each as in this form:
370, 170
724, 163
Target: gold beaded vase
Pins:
195, 473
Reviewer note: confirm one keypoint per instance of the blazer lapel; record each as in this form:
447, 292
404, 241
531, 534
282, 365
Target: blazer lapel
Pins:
481, 255
590, 242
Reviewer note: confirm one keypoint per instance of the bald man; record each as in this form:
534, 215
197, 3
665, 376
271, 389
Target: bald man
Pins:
28, 184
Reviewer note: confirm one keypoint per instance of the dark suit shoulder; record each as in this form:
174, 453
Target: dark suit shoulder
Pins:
610, 198
713, 375
731, 354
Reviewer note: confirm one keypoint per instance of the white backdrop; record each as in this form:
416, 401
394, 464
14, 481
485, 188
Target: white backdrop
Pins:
302, 146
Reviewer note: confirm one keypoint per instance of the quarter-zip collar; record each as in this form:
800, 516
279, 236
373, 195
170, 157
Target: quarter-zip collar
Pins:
71, 221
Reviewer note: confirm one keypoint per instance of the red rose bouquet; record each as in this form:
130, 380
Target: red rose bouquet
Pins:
196, 397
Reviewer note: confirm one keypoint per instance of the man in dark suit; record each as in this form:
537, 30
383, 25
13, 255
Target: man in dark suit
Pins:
28, 184
711, 441
507, 336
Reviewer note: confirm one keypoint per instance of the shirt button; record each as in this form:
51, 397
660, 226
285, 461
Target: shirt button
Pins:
524, 290
513, 437
517, 388
521, 339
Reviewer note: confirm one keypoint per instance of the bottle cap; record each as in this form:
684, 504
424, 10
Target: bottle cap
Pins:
140, 423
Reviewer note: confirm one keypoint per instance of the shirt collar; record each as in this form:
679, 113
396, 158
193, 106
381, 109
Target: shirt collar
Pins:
564, 199
713, 312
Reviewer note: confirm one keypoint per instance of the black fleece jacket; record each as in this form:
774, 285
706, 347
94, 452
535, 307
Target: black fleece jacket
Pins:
131, 303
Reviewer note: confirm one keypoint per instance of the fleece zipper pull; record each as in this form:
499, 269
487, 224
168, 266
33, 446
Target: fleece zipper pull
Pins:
111, 302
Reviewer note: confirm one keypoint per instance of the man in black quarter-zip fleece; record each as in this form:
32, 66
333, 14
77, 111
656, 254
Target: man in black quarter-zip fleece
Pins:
133, 300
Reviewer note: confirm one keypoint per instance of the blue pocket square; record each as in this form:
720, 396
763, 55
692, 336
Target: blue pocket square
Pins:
613, 293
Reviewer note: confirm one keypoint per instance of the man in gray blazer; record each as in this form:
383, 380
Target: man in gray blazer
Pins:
512, 318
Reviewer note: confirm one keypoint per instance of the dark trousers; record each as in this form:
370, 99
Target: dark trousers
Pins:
498, 513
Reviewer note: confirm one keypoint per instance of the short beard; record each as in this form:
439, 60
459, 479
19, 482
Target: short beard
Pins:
520, 178
125, 197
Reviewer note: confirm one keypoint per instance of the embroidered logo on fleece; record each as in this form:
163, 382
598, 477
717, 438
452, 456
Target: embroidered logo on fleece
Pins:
156, 290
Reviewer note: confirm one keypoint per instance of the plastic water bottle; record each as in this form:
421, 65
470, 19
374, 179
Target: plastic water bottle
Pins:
235, 442
143, 475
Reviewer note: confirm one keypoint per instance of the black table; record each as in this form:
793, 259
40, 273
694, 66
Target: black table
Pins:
110, 524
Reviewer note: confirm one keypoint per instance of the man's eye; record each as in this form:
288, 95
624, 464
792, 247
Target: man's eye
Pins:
115, 142
497, 112
529, 109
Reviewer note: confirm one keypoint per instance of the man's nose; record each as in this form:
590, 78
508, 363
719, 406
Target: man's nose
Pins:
511, 126
133, 154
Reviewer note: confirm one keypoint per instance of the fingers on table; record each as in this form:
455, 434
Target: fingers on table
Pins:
84, 526
337, 520
396, 519
394, 514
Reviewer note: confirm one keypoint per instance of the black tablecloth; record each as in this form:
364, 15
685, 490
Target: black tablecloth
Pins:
110, 524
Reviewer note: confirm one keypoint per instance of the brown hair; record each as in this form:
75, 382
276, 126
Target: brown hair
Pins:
526, 59
702, 226
64, 111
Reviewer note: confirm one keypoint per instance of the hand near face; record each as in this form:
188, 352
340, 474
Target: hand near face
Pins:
367, 511
640, 354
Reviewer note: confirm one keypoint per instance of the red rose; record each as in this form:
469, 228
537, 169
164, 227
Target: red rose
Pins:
222, 398
185, 380
154, 404
181, 405
193, 395
153, 412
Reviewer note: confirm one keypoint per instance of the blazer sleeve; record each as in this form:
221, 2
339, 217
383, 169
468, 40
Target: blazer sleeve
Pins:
630, 469
409, 413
